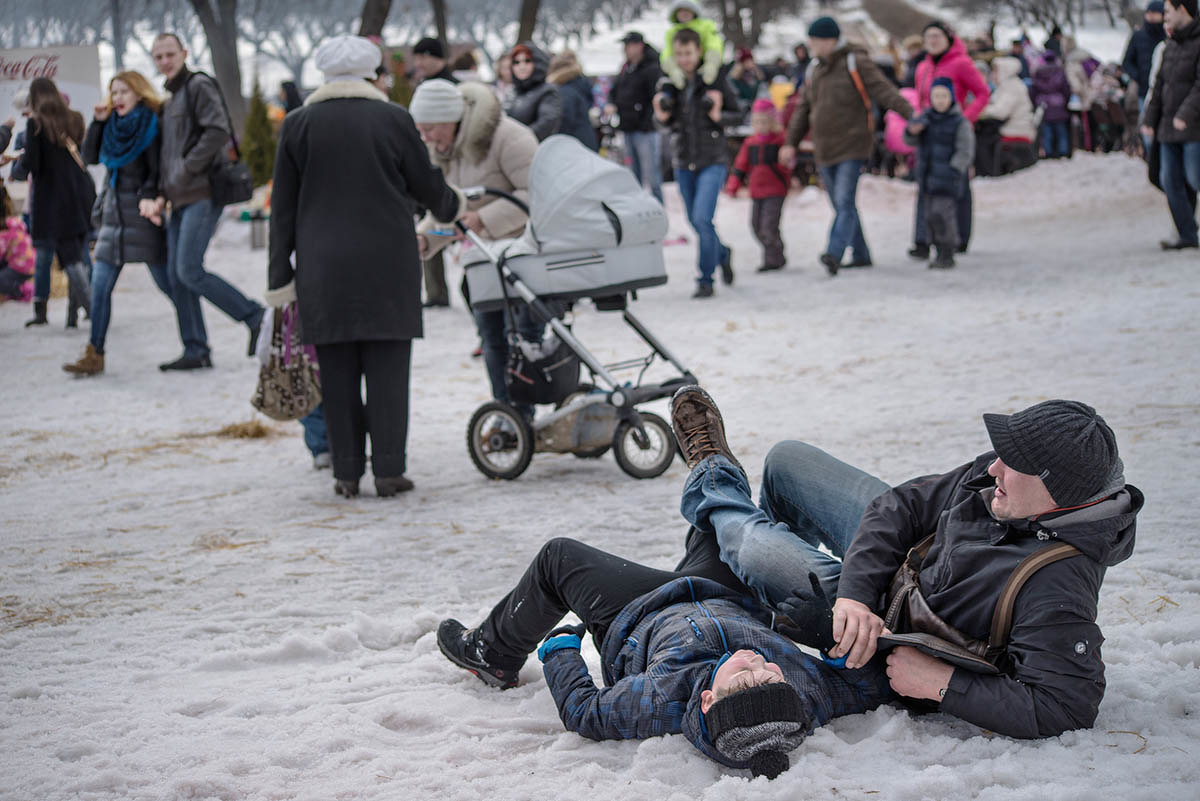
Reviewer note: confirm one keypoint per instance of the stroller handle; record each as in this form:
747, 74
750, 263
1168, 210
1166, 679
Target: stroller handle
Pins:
476, 192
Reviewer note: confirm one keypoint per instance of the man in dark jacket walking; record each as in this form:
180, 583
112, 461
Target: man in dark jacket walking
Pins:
195, 131
824, 529
632, 97
697, 115
1140, 50
349, 171
1172, 117
835, 104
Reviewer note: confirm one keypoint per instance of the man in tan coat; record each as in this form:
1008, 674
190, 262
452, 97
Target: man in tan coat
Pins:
839, 88
475, 144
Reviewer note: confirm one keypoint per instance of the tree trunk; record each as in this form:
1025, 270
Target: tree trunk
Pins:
118, 36
528, 19
220, 27
374, 16
439, 22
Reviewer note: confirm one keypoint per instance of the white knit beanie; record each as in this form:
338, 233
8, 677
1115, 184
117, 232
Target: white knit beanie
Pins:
437, 100
346, 58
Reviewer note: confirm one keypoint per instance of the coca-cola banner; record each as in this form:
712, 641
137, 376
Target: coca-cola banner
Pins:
76, 70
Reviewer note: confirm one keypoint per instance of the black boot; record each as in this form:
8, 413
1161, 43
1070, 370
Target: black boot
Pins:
187, 363
39, 314
919, 251
465, 648
387, 487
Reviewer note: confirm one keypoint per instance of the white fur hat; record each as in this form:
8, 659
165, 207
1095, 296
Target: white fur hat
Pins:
437, 100
344, 58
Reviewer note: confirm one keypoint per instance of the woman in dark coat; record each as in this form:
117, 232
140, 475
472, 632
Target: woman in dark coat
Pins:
63, 194
575, 92
534, 102
125, 137
350, 171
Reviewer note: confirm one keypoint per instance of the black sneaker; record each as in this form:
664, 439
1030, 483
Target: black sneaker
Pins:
1177, 244
463, 647
346, 489
859, 263
832, 265
769, 268
387, 487
919, 251
727, 266
698, 427
703, 291
944, 261
187, 363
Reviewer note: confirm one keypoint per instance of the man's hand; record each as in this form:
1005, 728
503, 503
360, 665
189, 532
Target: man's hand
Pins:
1179, 124
856, 628
1147, 131
915, 127
661, 115
148, 208
915, 675
714, 113
471, 220
787, 156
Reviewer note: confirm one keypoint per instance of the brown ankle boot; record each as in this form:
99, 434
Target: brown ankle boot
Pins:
91, 363
698, 427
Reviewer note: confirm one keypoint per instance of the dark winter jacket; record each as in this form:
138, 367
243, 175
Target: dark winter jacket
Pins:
1055, 677
757, 164
1177, 88
945, 149
126, 236
632, 92
661, 652
349, 171
5, 137
63, 193
195, 131
535, 102
833, 110
575, 91
696, 141
1140, 52
1052, 90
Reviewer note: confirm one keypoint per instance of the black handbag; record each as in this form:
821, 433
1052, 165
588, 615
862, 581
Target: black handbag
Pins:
229, 179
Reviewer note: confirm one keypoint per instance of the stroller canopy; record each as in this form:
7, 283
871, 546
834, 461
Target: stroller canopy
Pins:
579, 200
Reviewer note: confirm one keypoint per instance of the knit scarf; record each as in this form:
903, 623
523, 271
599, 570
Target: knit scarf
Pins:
126, 138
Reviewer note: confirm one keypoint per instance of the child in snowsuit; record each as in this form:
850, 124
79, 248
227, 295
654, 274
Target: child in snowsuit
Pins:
945, 146
757, 164
17, 257
686, 14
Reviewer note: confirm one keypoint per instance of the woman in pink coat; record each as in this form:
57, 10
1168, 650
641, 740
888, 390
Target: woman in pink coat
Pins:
946, 56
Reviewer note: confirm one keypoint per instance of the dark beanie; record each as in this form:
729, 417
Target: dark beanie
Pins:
945, 81
941, 26
430, 47
759, 726
825, 28
1064, 443
1154, 7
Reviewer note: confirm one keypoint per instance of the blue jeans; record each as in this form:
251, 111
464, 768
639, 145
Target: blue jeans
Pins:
315, 435
808, 499
1056, 139
1180, 169
841, 182
188, 233
104, 278
645, 153
494, 331
69, 251
700, 190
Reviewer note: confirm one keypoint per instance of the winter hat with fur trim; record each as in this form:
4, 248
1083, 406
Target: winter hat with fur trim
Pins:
436, 100
346, 58
759, 725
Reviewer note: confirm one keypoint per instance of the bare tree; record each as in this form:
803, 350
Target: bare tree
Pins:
219, 18
374, 17
527, 19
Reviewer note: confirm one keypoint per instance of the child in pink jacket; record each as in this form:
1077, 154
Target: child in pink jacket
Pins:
16, 254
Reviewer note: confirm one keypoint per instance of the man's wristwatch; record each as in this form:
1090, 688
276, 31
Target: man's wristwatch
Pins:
942, 693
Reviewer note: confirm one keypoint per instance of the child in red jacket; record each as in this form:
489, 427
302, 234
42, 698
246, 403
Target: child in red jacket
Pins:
757, 164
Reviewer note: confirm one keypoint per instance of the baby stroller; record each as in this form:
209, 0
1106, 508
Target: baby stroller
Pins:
592, 233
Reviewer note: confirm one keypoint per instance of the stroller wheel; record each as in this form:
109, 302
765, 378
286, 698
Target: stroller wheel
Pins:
500, 441
644, 458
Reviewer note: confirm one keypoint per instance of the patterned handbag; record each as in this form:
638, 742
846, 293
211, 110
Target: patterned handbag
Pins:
288, 385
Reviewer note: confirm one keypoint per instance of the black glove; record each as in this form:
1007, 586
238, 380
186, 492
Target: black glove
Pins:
579, 630
813, 607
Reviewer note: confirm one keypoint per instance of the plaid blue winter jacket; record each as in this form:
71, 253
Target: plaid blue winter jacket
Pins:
661, 652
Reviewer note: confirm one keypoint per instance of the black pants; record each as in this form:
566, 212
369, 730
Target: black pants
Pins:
964, 211
764, 220
385, 364
941, 218
568, 576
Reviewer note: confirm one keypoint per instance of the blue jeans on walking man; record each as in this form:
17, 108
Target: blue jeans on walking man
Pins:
700, 190
645, 156
1180, 169
808, 500
841, 182
188, 232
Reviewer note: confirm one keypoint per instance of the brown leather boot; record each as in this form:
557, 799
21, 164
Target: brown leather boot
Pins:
698, 427
91, 363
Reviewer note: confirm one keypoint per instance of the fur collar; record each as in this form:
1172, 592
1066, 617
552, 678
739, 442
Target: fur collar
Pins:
481, 117
564, 74
340, 89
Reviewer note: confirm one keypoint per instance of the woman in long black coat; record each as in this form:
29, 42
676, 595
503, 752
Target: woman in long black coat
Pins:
350, 171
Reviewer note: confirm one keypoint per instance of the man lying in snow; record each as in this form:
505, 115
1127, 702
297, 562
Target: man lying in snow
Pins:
686, 652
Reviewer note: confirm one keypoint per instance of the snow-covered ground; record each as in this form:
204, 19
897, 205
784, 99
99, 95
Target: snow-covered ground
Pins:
184, 616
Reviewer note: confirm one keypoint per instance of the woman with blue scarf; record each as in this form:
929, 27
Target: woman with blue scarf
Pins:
124, 137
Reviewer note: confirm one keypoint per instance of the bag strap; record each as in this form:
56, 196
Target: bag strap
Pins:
73, 149
228, 117
1002, 617
852, 66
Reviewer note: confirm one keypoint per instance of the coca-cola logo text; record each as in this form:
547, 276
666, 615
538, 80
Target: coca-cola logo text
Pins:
42, 65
